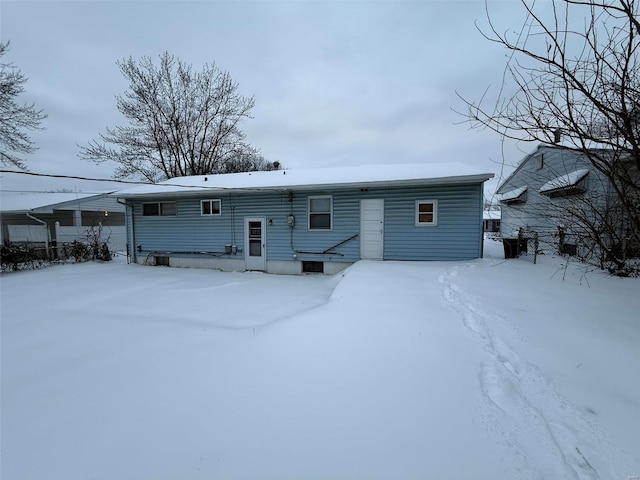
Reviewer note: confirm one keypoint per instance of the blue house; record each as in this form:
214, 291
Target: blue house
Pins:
307, 220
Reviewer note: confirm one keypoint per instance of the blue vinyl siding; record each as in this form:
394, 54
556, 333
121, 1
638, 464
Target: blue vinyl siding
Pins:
457, 236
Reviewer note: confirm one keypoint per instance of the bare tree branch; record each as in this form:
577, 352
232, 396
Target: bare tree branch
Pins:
15, 119
577, 71
181, 122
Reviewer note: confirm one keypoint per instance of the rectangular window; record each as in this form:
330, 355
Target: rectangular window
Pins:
426, 212
162, 261
210, 207
312, 267
320, 216
159, 209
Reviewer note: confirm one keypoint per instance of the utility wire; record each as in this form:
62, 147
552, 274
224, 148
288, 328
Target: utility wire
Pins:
76, 177
128, 182
134, 182
2, 190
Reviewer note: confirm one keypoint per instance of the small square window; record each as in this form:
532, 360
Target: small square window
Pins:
168, 208
150, 209
210, 207
426, 212
320, 213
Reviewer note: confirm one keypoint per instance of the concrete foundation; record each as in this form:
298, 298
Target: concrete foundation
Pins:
235, 264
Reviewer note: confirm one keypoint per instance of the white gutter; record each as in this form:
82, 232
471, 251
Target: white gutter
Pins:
190, 190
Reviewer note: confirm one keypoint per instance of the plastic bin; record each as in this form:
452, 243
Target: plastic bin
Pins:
510, 247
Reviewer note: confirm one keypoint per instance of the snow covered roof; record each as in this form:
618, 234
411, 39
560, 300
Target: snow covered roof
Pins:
568, 180
512, 195
42, 202
315, 178
563, 145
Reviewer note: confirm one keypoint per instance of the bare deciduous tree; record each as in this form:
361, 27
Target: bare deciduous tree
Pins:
574, 69
15, 119
181, 122
249, 162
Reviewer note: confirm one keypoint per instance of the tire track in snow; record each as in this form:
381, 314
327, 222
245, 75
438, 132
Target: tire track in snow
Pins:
543, 432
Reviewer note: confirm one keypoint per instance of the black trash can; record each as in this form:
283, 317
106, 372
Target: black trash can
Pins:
510, 247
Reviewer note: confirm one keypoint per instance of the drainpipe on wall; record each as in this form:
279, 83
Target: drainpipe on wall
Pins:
46, 243
130, 247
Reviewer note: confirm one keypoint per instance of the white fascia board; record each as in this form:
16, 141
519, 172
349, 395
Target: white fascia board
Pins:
177, 191
45, 203
171, 191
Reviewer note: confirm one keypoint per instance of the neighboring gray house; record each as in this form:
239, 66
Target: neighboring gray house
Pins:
491, 221
308, 220
60, 217
555, 193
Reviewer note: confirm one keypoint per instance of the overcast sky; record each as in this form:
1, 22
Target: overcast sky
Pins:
335, 83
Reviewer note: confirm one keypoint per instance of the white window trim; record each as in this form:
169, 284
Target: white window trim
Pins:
418, 223
160, 208
211, 214
313, 197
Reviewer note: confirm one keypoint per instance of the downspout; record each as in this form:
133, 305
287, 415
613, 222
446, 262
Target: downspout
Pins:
481, 220
46, 243
131, 249
291, 226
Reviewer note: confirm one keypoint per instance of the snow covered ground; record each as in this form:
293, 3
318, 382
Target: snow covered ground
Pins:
485, 369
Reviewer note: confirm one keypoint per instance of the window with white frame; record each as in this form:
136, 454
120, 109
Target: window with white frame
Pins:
426, 212
159, 209
320, 210
210, 207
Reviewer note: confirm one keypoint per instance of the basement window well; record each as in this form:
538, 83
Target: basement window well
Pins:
312, 267
162, 261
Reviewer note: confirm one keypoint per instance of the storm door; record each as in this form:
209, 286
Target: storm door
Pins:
254, 243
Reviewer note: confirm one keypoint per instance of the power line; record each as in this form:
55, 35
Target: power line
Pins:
138, 182
2, 190
76, 177
112, 180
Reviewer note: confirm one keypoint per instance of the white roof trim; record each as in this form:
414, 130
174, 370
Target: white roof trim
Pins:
513, 194
568, 180
45, 202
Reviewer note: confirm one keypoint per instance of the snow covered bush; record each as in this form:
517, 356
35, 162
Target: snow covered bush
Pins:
14, 257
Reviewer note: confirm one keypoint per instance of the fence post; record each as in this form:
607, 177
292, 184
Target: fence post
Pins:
58, 237
519, 242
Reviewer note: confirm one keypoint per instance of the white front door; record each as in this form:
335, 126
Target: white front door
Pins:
254, 243
372, 229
